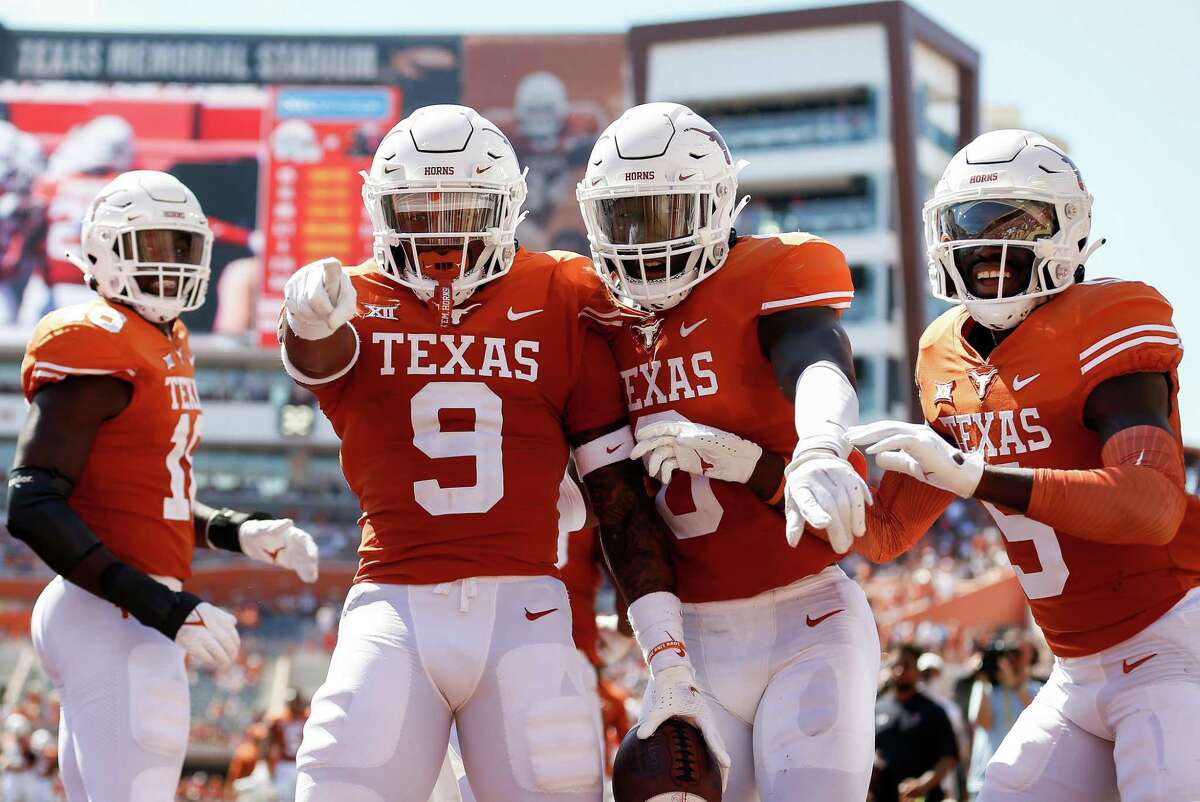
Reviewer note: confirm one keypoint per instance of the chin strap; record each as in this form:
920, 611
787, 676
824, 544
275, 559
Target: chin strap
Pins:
1095, 246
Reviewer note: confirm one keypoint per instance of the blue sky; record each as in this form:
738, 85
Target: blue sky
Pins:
1118, 82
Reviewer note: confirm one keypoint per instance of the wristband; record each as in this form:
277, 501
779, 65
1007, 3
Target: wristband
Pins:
657, 621
778, 494
221, 532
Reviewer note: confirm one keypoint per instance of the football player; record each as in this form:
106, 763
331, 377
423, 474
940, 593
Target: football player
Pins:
283, 742
458, 369
1054, 401
102, 489
739, 368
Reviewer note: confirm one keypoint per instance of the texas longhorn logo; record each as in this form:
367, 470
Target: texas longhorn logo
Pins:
648, 332
981, 379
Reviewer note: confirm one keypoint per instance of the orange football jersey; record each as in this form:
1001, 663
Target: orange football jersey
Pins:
1024, 406
137, 489
454, 438
701, 361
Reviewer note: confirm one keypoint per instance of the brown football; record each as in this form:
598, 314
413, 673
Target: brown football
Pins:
672, 765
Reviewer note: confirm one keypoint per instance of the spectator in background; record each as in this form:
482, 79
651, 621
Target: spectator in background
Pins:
934, 686
1003, 688
914, 741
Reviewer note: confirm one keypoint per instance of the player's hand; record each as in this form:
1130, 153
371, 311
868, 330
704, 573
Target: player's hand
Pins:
280, 542
319, 299
691, 447
825, 492
209, 636
672, 693
921, 453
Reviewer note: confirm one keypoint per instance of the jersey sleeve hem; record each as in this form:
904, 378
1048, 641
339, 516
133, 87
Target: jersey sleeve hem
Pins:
839, 299
304, 379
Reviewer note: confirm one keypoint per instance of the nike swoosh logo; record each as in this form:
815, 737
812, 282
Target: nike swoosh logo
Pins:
481, 170
685, 330
1127, 666
536, 616
199, 622
686, 177
613, 449
1018, 382
514, 315
812, 622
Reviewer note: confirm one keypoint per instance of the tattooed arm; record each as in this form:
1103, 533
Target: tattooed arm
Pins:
634, 538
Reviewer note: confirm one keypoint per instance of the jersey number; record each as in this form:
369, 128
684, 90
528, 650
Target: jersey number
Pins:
178, 505
482, 443
1049, 581
687, 503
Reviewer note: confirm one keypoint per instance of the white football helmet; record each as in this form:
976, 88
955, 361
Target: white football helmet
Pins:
146, 244
540, 107
1007, 227
659, 200
444, 196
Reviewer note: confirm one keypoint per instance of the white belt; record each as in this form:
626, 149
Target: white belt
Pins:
468, 589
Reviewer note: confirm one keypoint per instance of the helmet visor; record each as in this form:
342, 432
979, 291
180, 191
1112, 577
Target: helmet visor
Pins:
163, 246
645, 219
1007, 219
453, 213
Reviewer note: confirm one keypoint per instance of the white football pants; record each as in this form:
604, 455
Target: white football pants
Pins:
492, 653
124, 727
1119, 724
794, 673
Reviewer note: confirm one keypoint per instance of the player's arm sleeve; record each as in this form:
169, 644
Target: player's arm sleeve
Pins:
1126, 327
1138, 497
903, 511
812, 274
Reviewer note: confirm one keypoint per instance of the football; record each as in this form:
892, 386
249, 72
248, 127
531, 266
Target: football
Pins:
672, 765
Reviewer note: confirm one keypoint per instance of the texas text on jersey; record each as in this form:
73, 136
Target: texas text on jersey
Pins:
701, 361
1024, 406
136, 490
454, 438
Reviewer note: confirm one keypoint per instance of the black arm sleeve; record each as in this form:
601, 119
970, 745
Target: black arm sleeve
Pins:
39, 515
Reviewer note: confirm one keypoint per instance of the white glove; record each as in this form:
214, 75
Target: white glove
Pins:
279, 542
319, 299
672, 693
209, 636
825, 492
657, 621
691, 447
921, 453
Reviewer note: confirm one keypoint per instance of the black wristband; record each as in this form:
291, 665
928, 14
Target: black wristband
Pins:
149, 601
222, 529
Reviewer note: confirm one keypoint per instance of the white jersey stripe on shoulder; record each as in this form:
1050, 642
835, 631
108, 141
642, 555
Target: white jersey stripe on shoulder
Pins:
1116, 349
1122, 334
73, 371
596, 313
841, 295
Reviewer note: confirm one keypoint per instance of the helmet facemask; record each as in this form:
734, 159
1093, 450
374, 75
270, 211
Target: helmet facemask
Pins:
160, 272
657, 242
1002, 256
432, 236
